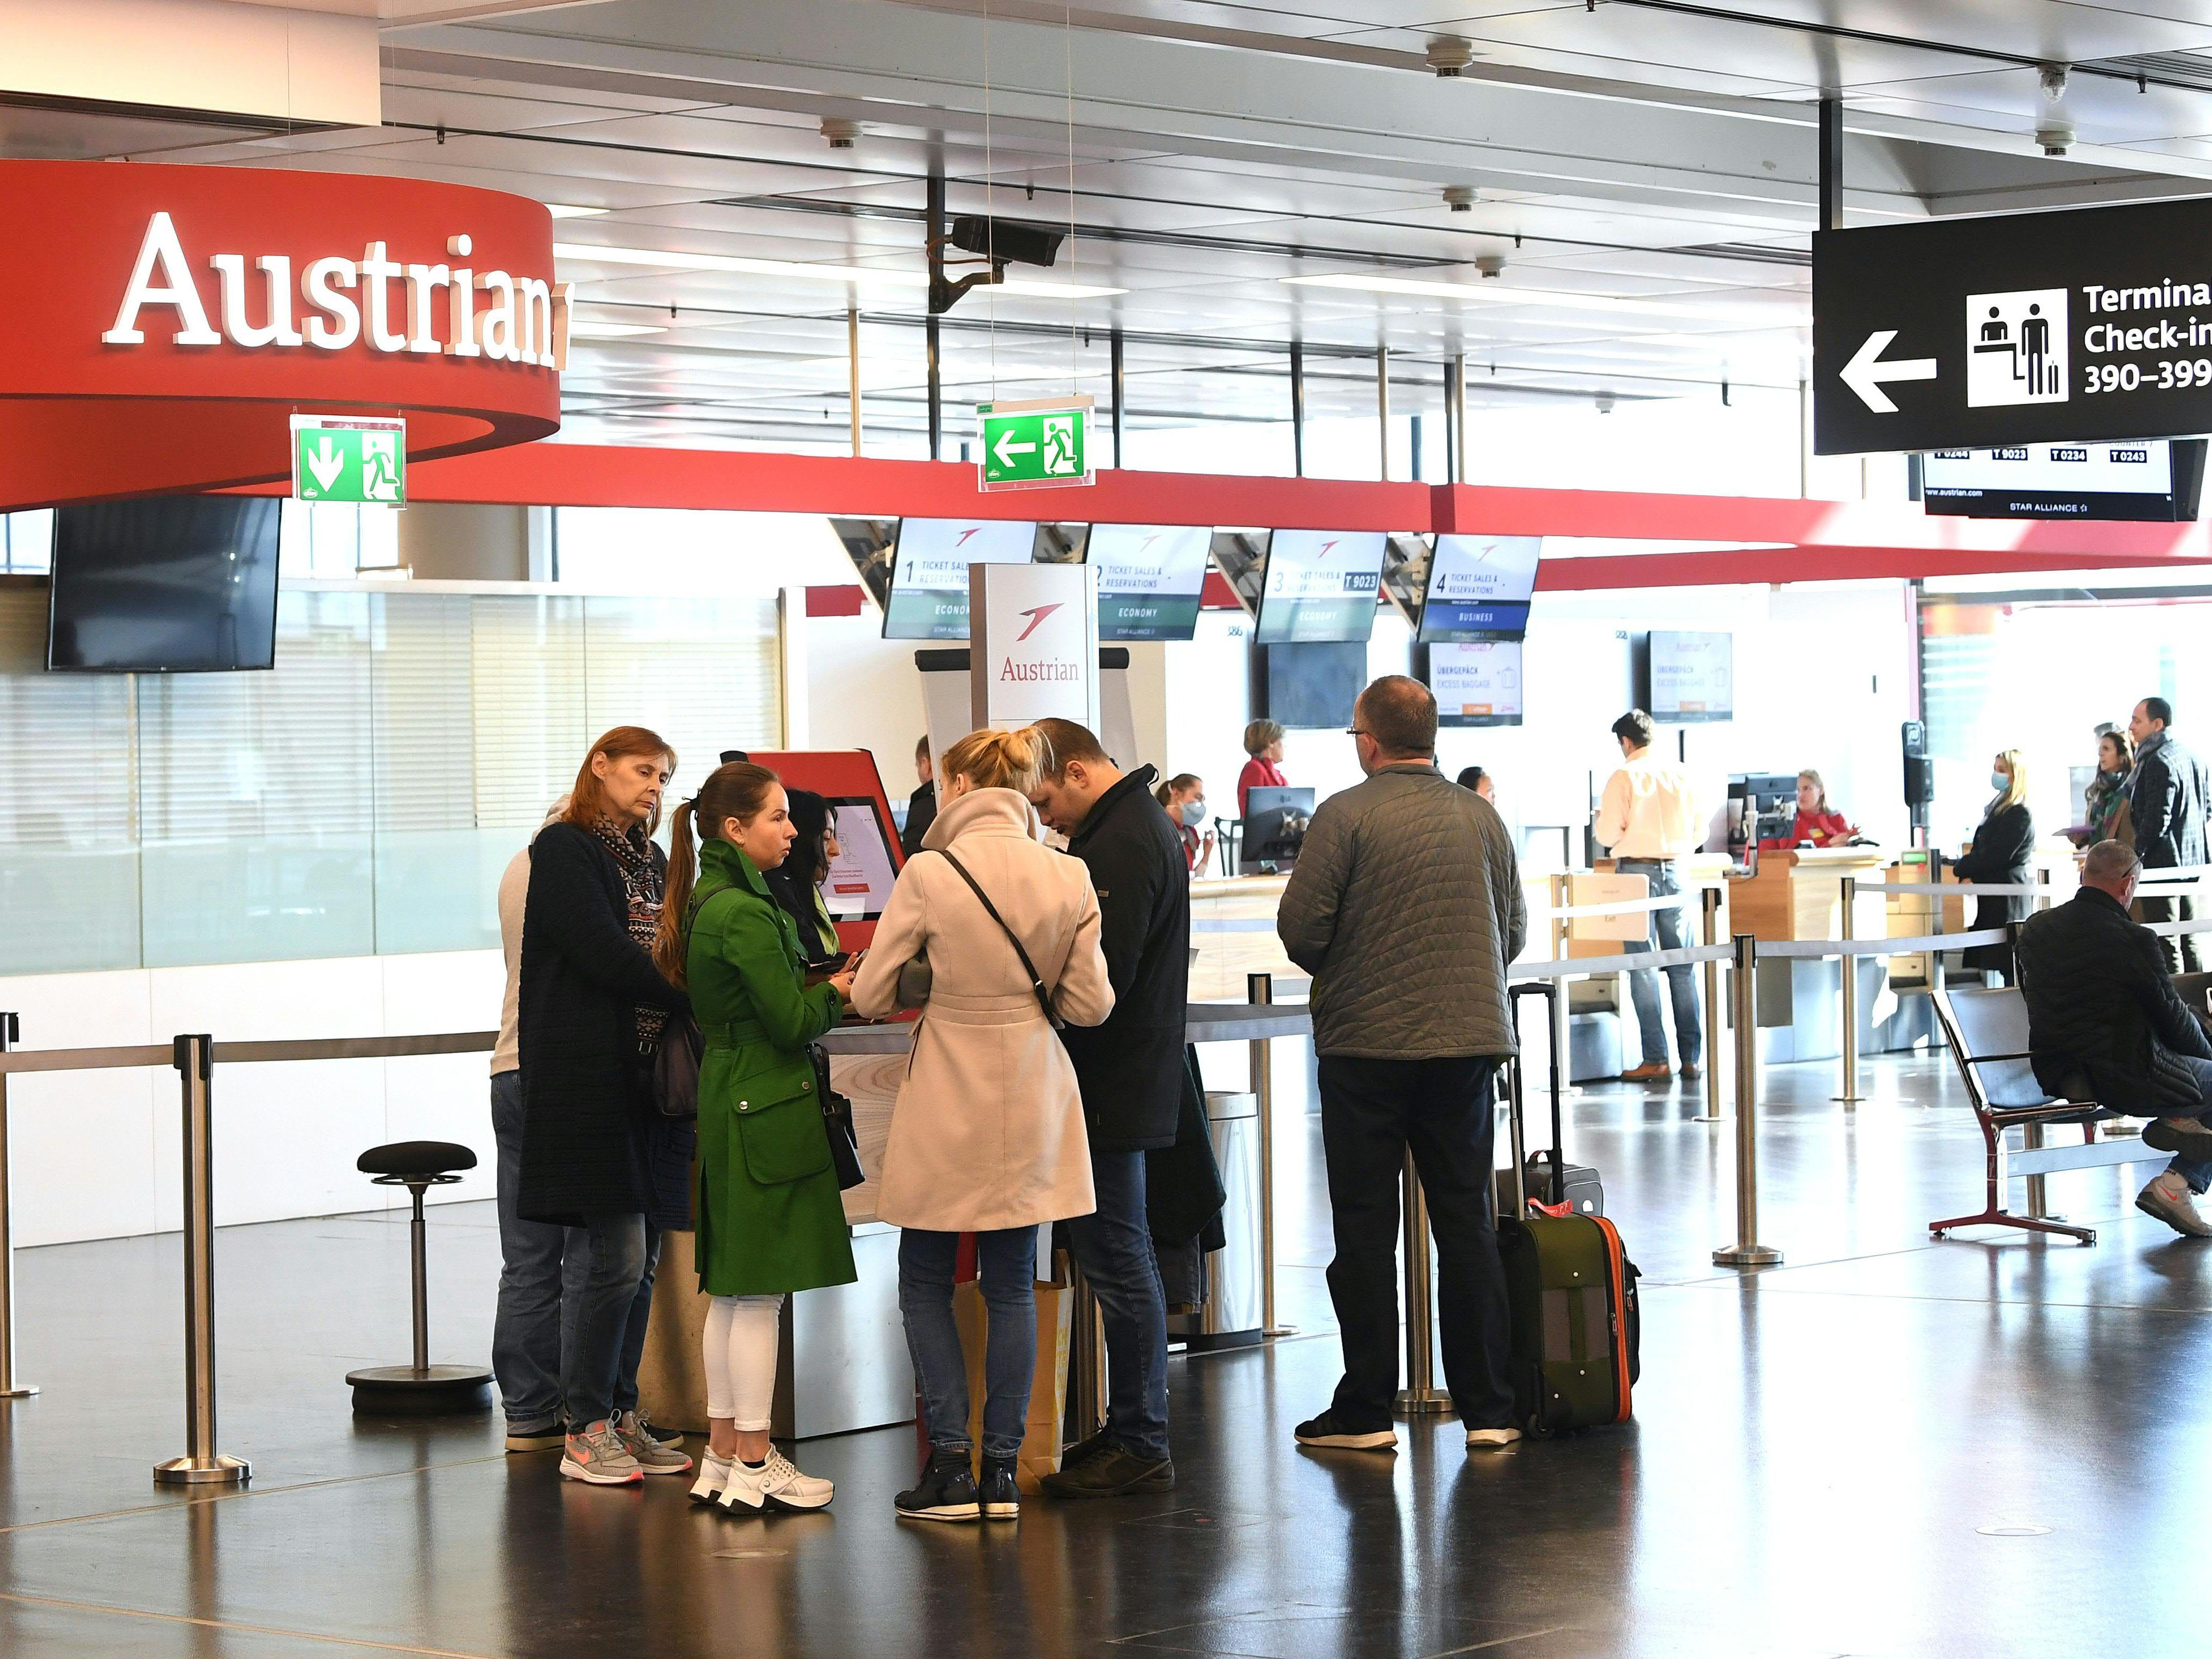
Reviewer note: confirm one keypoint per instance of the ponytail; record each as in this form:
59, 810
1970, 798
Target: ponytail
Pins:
1164, 794
994, 759
669, 946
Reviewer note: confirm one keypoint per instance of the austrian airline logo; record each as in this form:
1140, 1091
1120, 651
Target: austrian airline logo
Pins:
974, 530
1036, 620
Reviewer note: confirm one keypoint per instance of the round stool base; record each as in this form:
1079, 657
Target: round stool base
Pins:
434, 1391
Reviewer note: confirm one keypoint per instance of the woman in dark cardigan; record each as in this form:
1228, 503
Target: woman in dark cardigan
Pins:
1998, 855
592, 1007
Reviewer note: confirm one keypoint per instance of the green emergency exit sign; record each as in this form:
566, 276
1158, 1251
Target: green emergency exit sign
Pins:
335, 459
1035, 445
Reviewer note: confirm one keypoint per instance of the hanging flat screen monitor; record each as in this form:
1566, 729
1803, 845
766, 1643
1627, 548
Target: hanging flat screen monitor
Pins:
1319, 587
1477, 683
1692, 677
928, 597
1312, 688
1479, 588
1150, 577
2152, 479
174, 584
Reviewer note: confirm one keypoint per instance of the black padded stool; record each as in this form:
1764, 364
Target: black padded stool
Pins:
422, 1389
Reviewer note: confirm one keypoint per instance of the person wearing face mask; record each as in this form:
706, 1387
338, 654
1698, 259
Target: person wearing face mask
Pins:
770, 1219
1998, 855
1183, 798
591, 1007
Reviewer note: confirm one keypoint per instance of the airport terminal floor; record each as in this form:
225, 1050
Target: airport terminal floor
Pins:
1993, 1446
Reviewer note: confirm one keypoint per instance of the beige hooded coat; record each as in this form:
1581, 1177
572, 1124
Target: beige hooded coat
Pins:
989, 1131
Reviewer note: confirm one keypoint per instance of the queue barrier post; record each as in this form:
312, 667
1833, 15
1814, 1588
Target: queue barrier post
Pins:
1712, 935
12, 1387
1260, 990
1747, 1251
1848, 1000
201, 1464
1421, 1397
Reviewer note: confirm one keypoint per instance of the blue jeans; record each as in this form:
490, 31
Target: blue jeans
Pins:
1113, 1245
1681, 983
1005, 1262
543, 1272
2197, 1172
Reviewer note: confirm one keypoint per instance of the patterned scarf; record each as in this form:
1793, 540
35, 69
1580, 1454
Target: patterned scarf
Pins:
642, 882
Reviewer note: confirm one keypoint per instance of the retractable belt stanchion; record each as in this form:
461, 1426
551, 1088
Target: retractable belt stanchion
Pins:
1259, 989
1850, 1003
12, 1387
1420, 1396
1711, 906
1747, 1251
201, 1464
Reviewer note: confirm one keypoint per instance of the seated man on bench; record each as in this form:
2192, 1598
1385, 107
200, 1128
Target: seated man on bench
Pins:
2103, 1017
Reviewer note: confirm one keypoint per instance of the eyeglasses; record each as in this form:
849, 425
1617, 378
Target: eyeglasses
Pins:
1358, 731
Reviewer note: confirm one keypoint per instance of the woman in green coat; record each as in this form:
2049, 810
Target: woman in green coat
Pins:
770, 1219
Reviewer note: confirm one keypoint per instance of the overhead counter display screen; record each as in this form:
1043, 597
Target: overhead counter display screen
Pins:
1477, 683
2151, 480
1692, 677
929, 572
1149, 577
1479, 588
1320, 587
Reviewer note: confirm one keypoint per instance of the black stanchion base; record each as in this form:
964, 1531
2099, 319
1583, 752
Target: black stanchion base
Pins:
434, 1391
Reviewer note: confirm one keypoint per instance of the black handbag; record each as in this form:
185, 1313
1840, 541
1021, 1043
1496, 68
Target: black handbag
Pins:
837, 1123
674, 1082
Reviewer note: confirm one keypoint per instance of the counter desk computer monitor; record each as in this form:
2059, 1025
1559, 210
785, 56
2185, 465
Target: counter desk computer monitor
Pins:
1761, 807
1275, 821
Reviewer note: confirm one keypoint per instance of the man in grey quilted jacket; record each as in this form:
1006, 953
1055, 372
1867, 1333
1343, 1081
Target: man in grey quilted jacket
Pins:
1406, 907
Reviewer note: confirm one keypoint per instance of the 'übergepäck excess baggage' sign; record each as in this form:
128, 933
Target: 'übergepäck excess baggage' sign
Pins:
2022, 328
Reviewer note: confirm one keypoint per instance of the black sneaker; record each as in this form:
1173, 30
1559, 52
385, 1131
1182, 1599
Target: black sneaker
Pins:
1083, 1450
1000, 1492
947, 1492
1330, 1430
1113, 1472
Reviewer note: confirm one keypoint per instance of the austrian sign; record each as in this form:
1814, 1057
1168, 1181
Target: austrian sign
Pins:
2075, 325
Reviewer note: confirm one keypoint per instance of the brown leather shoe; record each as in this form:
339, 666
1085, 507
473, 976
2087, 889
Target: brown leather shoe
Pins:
1656, 1072
1690, 1073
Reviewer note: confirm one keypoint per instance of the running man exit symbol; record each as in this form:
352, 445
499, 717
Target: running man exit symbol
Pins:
1027, 446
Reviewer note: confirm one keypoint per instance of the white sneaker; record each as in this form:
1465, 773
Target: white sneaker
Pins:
776, 1482
714, 1478
1483, 1439
2167, 1197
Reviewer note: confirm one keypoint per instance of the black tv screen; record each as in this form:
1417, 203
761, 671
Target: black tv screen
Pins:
174, 584
1313, 687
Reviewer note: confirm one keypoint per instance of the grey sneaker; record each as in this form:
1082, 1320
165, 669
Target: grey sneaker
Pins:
598, 1456
643, 1421
2167, 1198
653, 1456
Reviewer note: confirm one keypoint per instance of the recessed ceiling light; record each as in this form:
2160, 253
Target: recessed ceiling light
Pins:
1497, 293
669, 260
581, 330
570, 210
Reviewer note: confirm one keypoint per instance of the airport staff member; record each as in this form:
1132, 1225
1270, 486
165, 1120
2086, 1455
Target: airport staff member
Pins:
1649, 819
1405, 907
1815, 822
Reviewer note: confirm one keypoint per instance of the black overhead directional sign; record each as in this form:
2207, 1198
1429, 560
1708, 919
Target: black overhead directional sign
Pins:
2015, 328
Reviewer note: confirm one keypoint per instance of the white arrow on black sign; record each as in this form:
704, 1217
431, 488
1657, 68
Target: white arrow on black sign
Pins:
1864, 374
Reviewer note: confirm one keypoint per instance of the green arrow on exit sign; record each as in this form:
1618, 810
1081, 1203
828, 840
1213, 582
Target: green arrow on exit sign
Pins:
1035, 445
339, 459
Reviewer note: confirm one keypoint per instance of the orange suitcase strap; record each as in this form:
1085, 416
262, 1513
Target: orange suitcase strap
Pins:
1614, 1253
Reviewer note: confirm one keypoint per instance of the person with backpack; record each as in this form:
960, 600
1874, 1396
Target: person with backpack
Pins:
770, 1219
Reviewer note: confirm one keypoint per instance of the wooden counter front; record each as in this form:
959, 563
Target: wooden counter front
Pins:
1799, 894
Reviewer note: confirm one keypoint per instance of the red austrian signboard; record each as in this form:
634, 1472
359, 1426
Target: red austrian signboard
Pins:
160, 325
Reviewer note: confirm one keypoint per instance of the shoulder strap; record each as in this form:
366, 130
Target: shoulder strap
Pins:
1036, 984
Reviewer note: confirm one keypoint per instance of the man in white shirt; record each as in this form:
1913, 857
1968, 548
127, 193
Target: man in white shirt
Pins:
1648, 819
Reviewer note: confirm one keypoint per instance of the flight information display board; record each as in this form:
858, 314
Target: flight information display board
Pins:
928, 597
1479, 588
1692, 677
1477, 683
2153, 480
1319, 587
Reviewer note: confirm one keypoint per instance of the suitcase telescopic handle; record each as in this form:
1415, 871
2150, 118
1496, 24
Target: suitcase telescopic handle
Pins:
1549, 990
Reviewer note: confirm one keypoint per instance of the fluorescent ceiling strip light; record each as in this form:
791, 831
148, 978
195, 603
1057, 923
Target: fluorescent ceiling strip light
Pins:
666, 259
582, 331
1490, 292
571, 210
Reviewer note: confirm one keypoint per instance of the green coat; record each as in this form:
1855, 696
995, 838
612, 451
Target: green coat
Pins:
769, 1217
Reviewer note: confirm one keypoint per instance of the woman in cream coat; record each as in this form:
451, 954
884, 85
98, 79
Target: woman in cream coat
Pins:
988, 1135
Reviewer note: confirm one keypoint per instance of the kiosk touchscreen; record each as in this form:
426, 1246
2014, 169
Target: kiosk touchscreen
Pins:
868, 861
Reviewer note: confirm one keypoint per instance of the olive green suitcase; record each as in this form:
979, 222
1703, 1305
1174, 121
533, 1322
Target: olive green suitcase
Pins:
1571, 1288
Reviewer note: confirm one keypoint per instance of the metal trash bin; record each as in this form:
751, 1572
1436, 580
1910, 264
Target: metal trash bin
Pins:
1228, 1316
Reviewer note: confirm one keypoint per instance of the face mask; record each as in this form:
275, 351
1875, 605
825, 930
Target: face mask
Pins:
1193, 811
1999, 781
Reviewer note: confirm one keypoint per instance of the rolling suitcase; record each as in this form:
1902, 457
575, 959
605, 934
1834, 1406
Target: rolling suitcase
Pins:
1570, 1287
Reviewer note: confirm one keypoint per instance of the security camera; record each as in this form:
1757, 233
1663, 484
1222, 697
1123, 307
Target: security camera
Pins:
1460, 198
1449, 56
1002, 240
841, 135
1490, 264
1604, 402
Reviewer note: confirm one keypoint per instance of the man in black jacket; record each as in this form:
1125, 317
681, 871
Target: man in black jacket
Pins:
1131, 1070
2103, 1018
2166, 800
